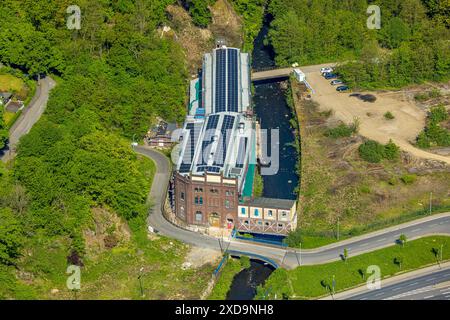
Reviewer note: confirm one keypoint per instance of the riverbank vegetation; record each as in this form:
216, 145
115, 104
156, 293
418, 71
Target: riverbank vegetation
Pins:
226, 276
77, 193
308, 282
360, 185
411, 46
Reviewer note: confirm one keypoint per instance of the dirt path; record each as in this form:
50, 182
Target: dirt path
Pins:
408, 123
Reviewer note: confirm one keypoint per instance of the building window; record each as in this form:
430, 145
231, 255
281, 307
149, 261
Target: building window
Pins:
243, 211
256, 212
260, 223
270, 213
283, 214
227, 204
198, 216
229, 193
267, 224
182, 196
280, 225
214, 191
246, 222
198, 189
198, 200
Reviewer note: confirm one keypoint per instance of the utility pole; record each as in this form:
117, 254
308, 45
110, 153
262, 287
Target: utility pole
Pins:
338, 228
300, 253
140, 281
431, 199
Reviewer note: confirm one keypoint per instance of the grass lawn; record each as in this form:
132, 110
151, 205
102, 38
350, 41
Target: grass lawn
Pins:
8, 117
307, 282
9, 82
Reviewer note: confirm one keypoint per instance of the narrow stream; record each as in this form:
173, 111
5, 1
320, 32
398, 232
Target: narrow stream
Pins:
245, 282
272, 111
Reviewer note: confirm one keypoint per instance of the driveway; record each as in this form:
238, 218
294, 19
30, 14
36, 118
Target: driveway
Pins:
28, 118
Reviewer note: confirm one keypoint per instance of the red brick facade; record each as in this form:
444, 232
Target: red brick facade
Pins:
209, 200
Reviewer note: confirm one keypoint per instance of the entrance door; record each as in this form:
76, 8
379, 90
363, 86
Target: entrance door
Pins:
214, 219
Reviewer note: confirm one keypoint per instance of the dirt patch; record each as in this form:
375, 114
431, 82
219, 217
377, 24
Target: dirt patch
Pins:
198, 257
408, 122
107, 232
337, 183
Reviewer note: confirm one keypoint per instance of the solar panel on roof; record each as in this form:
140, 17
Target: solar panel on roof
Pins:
208, 169
193, 133
221, 152
221, 69
232, 80
241, 152
213, 120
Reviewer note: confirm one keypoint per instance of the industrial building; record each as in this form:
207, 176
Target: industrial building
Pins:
217, 158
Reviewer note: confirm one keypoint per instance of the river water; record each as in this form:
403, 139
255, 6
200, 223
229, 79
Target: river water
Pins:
272, 111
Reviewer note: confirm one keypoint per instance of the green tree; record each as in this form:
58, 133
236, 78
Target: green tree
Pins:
10, 237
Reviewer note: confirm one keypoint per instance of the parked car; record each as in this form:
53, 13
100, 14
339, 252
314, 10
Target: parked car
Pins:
342, 88
326, 70
330, 76
336, 82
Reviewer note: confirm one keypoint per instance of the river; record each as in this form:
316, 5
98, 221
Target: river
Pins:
272, 111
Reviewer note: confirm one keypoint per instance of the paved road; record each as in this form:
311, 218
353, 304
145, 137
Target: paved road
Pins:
438, 224
29, 117
432, 286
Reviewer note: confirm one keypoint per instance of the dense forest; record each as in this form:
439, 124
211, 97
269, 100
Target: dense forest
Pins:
412, 45
114, 76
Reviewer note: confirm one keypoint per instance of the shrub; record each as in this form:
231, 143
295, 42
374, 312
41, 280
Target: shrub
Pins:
408, 178
342, 130
421, 97
391, 151
438, 114
389, 116
371, 151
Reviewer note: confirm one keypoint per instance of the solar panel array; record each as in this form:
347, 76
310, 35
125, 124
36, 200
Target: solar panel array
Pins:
208, 169
233, 90
213, 120
241, 152
190, 147
221, 152
221, 75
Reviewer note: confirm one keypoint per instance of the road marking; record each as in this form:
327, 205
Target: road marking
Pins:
399, 288
415, 230
363, 244
446, 292
381, 240
412, 284
431, 279
379, 294
428, 297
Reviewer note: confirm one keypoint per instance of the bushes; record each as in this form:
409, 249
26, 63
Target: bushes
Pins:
408, 178
434, 134
199, 11
374, 152
342, 130
389, 116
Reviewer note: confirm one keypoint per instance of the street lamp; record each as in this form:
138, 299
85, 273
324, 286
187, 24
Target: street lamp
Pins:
140, 281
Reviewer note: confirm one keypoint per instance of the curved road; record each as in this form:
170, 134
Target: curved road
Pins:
29, 117
435, 224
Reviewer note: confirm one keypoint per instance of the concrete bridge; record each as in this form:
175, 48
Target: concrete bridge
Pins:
270, 74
